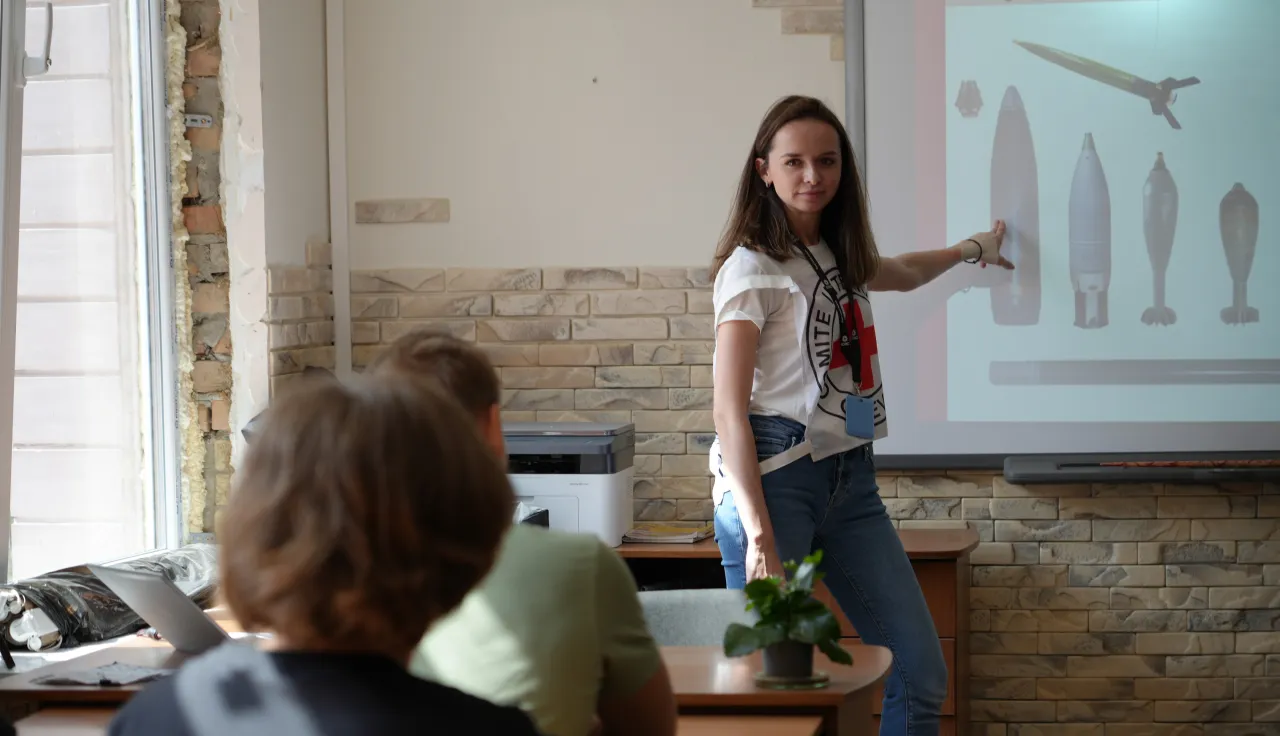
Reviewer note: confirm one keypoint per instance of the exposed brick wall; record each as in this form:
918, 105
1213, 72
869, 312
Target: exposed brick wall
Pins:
1096, 610
300, 315
204, 350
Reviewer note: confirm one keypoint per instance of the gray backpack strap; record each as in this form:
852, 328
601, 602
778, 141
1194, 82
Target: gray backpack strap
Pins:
236, 689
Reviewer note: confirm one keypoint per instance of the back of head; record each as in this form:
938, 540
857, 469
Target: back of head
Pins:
309, 374
463, 369
361, 514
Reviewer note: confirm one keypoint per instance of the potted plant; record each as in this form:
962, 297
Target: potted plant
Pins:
791, 623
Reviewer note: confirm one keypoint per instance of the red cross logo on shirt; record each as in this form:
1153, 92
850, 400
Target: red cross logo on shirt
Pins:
867, 338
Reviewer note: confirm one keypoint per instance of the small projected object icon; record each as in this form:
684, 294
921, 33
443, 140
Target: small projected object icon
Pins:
969, 100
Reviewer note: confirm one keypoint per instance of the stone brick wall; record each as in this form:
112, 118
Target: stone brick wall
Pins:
300, 316
200, 258
597, 344
1150, 608
1096, 610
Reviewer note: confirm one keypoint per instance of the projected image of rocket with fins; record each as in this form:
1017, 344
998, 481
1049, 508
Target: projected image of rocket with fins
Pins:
1089, 237
1159, 94
1015, 198
1238, 224
1159, 222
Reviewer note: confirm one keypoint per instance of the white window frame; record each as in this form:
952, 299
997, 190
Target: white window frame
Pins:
147, 56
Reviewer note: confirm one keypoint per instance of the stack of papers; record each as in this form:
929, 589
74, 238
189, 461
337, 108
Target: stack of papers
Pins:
649, 532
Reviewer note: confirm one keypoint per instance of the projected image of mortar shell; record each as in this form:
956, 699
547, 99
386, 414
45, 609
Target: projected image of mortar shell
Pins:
1089, 237
1159, 222
1015, 198
1238, 223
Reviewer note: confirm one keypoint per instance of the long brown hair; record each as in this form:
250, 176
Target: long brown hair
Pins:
758, 219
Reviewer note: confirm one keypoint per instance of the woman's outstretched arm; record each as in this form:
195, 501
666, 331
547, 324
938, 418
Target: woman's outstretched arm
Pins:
910, 271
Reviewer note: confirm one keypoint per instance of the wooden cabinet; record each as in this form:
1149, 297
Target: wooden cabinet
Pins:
940, 558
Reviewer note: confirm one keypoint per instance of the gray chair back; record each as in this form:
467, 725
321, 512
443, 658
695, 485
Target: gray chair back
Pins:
691, 618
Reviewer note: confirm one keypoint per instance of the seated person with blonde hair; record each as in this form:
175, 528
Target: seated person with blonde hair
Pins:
362, 514
556, 628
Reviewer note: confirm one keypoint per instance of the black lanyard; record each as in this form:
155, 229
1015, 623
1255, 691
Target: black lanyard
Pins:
849, 344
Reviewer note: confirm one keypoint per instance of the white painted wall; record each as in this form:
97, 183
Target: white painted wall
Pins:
294, 127
564, 132
244, 211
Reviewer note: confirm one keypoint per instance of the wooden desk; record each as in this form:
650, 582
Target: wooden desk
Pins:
94, 721
920, 544
735, 726
706, 681
67, 722
704, 550
22, 688
940, 558
135, 650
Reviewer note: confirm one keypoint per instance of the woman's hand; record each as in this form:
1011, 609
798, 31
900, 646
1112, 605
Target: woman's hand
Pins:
762, 561
989, 244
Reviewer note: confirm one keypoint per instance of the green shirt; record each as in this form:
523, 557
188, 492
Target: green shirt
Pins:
555, 625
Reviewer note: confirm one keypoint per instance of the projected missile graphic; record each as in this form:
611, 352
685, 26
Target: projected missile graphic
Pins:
1159, 221
1238, 223
1089, 237
1015, 198
1160, 94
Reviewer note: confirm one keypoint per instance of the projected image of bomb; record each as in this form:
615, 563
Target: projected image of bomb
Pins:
1089, 237
1159, 94
969, 100
1238, 223
1015, 198
1159, 220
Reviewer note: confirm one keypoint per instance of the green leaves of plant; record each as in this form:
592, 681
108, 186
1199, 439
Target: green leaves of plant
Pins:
740, 640
788, 611
812, 622
835, 652
762, 590
806, 573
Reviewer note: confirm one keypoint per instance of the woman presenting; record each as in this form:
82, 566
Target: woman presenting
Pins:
798, 397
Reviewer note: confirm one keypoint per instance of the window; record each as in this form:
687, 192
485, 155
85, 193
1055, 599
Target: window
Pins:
91, 474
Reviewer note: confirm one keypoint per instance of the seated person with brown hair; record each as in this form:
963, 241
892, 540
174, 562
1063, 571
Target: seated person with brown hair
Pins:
556, 628
362, 514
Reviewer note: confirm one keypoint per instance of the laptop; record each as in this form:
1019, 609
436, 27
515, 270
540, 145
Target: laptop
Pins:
164, 607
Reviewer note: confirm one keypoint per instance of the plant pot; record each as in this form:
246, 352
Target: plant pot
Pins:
789, 660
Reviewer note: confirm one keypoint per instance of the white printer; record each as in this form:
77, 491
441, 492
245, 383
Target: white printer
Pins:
580, 472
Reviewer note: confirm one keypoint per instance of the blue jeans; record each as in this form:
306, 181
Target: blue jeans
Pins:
834, 505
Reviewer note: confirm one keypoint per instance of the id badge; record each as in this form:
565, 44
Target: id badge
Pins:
860, 417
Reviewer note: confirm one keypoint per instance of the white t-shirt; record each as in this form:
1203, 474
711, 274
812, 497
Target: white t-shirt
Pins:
801, 372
